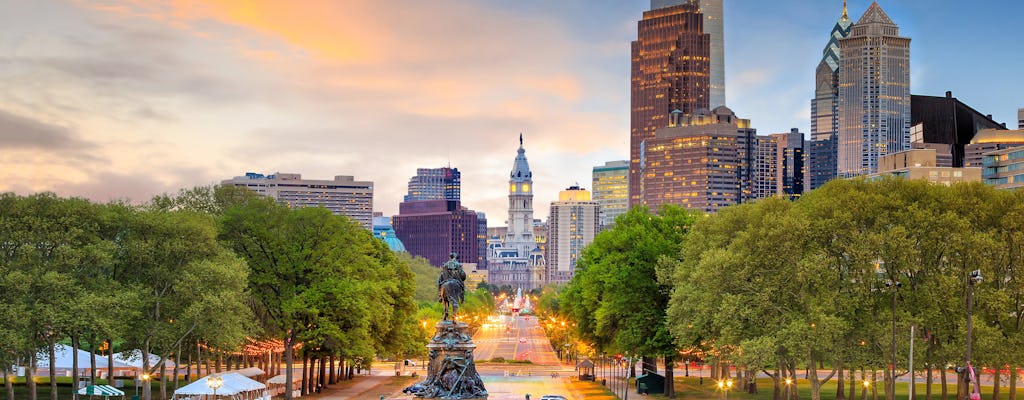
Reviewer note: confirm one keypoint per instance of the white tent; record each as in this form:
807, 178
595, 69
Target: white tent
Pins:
235, 386
249, 372
64, 359
134, 358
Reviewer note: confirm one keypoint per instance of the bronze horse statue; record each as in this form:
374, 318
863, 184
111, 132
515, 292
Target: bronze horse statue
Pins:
451, 289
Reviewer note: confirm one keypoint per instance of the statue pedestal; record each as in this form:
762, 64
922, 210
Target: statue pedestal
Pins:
451, 372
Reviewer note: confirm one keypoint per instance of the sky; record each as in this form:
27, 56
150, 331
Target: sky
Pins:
123, 100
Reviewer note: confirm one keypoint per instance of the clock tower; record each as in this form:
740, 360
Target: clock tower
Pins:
520, 204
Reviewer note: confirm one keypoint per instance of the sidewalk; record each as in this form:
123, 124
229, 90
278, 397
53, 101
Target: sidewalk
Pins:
357, 390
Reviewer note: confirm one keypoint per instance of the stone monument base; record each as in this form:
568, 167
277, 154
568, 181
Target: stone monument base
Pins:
451, 372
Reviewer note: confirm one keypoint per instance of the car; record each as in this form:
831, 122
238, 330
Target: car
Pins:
552, 397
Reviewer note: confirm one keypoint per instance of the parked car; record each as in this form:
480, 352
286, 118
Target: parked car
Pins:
553, 397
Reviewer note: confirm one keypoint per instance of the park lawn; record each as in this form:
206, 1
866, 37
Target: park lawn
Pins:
690, 389
64, 387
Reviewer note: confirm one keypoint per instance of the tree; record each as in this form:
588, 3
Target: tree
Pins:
615, 296
190, 284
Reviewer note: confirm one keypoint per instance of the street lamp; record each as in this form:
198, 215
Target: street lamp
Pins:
973, 278
214, 382
789, 383
725, 386
144, 378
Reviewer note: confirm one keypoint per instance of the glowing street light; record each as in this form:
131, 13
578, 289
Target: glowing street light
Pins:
725, 386
789, 385
214, 382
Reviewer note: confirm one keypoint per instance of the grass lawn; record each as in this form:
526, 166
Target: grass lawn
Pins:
64, 387
688, 388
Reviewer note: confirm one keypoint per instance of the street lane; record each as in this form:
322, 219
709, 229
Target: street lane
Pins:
514, 338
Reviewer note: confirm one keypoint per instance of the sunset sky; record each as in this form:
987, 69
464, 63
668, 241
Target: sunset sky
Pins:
124, 100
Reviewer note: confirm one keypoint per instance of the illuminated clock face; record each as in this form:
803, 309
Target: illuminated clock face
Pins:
512, 187
526, 188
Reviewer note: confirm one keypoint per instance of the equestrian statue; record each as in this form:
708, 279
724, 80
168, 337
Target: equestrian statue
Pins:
451, 287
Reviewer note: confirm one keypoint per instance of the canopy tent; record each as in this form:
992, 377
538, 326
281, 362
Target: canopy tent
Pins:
281, 379
249, 372
234, 386
134, 359
100, 390
64, 359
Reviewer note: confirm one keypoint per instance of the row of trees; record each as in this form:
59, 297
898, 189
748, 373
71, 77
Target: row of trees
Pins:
834, 280
197, 272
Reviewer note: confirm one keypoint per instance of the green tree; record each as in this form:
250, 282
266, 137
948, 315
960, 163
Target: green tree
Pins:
615, 296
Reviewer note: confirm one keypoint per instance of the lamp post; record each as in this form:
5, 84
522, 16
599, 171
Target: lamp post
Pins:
724, 386
143, 379
214, 382
974, 277
789, 385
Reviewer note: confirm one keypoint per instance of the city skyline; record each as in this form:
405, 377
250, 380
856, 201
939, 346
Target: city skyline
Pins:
118, 101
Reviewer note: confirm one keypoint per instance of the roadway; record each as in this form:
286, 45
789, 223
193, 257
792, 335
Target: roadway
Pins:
514, 338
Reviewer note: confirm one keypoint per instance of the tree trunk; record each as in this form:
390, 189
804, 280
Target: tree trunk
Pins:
1013, 382
305, 375
853, 383
776, 387
110, 361
289, 352
890, 383
163, 380
945, 389
840, 383
9, 384
670, 385
874, 384
332, 379
220, 359
30, 376
147, 389
322, 381
177, 367
92, 361
928, 382
812, 378
864, 390
996, 377
53, 370
794, 394
74, 367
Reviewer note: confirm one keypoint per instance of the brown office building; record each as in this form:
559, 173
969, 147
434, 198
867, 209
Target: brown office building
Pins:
434, 228
703, 164
670, 71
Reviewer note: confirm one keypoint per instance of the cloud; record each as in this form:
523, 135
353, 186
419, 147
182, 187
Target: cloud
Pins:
23, 133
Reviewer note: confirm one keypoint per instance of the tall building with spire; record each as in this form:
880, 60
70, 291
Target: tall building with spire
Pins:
518, 261
671, 70
825, 107
874, 93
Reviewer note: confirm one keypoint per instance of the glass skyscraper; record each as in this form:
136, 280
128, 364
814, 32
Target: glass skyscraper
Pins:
874, 94
825, 107
435, 184
671, 70
611, 190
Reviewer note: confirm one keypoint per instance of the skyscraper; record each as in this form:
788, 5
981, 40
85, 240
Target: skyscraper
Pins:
874, 93
443, 183
343, 196
825, 107
671, 70
779, 165
611, 190
572, 224
518, 261
714, 25
1020, 118
703, 163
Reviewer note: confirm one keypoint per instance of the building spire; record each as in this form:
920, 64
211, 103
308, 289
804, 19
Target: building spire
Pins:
846, 15
520, 139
